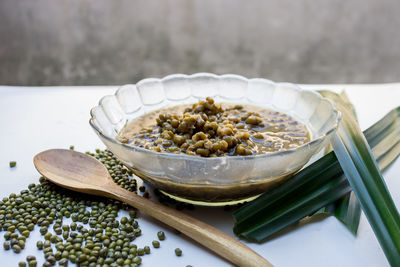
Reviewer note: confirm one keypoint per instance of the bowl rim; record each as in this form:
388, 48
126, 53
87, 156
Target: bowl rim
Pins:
235, 157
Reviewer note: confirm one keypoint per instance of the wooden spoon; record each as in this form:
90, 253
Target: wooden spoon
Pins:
83, 173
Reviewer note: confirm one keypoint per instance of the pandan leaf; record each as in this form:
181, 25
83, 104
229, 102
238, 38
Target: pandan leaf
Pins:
314, 187
365, 178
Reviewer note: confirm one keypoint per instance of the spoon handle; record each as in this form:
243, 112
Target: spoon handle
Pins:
210, 237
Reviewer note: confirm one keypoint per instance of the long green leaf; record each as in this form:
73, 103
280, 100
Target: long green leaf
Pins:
387, 125
365, 178
346, 209
276, 215
258, 212
300, 185
294, 209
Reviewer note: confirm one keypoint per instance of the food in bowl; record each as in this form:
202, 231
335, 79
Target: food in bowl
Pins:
210, 129
222, 179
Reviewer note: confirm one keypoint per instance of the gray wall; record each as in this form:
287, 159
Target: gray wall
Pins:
47, 42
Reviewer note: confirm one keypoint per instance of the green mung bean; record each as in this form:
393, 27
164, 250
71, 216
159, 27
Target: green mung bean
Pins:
140, 251
94, 237
178, 252
137, 260
16, 248
63, 262
6, 245
39, 245
161, 235
156, 244
30, 258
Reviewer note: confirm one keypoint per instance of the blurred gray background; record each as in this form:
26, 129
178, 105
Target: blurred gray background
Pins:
93, 42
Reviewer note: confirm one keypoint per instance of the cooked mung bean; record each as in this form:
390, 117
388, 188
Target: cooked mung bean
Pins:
209, 129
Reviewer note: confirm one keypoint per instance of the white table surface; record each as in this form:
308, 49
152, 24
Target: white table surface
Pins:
33, 119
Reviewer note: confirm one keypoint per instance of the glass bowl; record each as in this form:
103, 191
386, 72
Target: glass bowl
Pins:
220, 180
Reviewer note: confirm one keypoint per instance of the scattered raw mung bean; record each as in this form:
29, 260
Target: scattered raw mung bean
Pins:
161, 235
16, 249
30, 258
39, 245
137, 260
94, 237
178, 252
63, 262
156, 244
140, 251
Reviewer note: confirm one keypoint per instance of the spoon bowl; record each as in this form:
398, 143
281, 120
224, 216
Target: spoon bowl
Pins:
85, 174
73, 170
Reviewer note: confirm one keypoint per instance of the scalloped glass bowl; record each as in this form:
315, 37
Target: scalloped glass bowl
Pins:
221, 180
